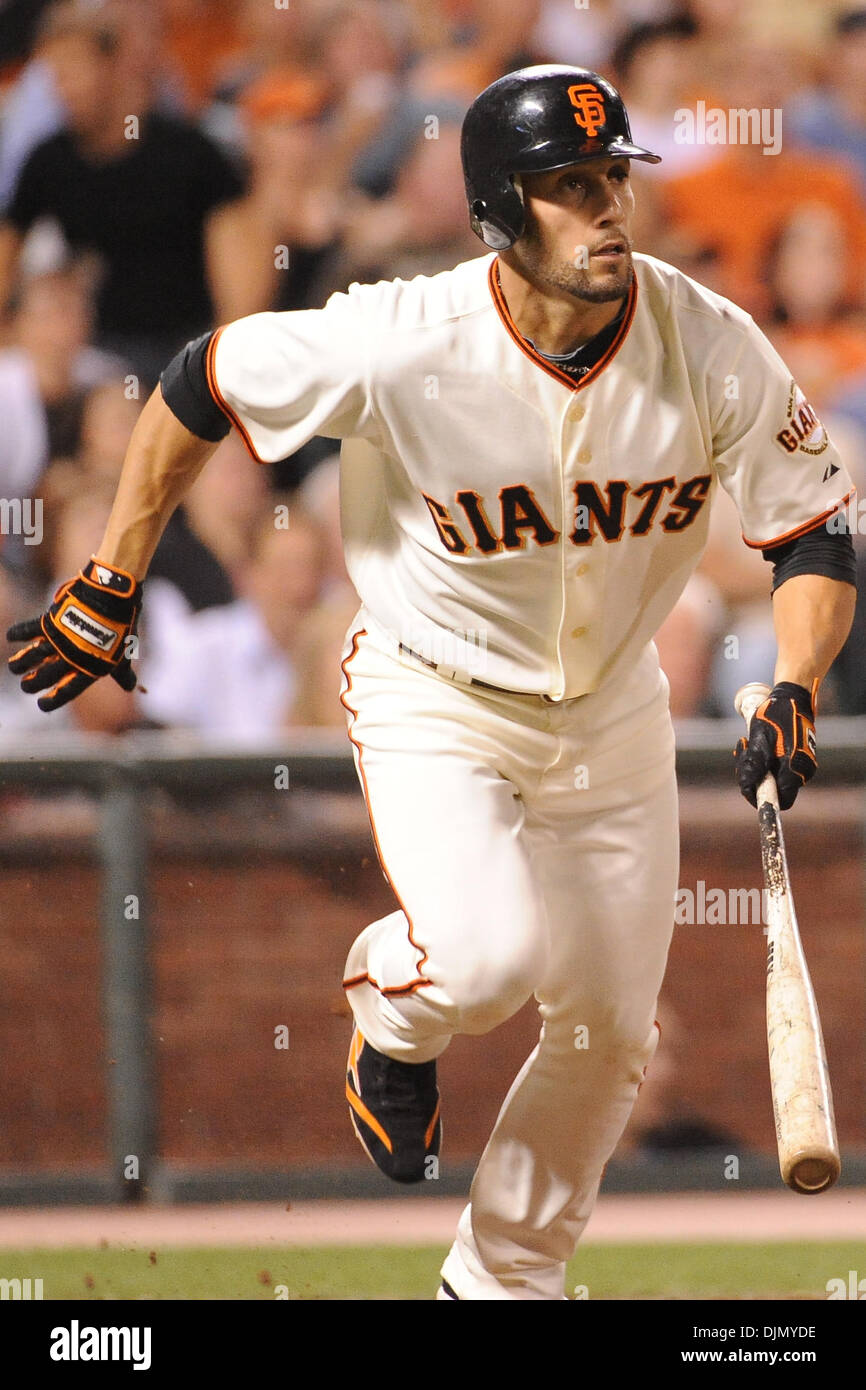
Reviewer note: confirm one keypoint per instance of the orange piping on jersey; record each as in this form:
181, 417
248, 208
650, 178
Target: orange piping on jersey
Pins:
220, 400
361, 979
536, 357
366, 979
801, 530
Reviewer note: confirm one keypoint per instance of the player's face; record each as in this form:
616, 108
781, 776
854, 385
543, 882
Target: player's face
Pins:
578, 229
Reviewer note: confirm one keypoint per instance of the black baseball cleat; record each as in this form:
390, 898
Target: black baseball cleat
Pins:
394, 1111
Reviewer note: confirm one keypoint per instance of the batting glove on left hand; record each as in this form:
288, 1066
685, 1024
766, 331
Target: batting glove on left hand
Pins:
81, 637
782, 741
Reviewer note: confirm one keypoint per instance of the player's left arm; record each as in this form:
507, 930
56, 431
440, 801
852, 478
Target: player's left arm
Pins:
776, 461
812, 615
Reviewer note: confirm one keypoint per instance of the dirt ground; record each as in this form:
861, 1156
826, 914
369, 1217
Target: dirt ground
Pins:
729, 1216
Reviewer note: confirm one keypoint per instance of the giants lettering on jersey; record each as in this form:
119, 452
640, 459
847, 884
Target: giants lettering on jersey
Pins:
606, 513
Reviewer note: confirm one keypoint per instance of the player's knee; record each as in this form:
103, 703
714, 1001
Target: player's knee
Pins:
627, 1042
495, 989
607, 1043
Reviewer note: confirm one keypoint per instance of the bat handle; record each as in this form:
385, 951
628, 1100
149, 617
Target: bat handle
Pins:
747, 700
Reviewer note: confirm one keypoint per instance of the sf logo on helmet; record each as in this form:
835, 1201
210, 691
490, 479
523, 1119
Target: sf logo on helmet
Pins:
589, 104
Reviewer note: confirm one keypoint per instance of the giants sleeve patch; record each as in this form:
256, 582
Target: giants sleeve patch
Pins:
802, 429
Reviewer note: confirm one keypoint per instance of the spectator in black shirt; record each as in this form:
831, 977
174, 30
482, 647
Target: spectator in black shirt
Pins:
136, 187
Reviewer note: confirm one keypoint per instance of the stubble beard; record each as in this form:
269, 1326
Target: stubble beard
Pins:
577, 281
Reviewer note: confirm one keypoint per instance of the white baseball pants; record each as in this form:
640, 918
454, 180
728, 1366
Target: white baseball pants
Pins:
533, 848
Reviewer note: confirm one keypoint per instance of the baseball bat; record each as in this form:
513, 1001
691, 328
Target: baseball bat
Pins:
799, 1080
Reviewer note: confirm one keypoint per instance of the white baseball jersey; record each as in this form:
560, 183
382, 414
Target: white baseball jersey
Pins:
489, 501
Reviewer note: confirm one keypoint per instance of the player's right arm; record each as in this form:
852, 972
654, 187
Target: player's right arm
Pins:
162, 462
279, 379
86, 631
84, 634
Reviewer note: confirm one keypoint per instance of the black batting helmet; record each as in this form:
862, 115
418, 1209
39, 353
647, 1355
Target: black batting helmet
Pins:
528, 121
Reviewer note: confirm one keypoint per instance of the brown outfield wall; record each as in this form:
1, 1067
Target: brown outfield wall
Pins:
246, 941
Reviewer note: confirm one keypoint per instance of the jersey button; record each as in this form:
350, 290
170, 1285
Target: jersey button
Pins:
581, 569
576, 411
578, 632
584, 455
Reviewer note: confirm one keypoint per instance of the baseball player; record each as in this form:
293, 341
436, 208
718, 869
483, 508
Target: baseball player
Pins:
531, 444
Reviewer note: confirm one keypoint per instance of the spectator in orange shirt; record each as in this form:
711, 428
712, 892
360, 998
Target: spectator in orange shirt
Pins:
738, 205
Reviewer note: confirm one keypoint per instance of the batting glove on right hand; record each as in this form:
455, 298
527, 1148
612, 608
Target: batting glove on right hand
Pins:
81, 637
782, 741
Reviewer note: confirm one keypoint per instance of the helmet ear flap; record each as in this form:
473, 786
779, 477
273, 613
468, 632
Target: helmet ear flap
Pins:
499, 229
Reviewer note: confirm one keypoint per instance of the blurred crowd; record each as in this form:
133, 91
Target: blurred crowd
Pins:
167, 165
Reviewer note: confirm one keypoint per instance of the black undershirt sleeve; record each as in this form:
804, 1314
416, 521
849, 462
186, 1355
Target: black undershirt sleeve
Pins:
830, 553
186, 392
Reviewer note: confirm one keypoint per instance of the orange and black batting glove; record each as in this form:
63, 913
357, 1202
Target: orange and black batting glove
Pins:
782, 741
82, 636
